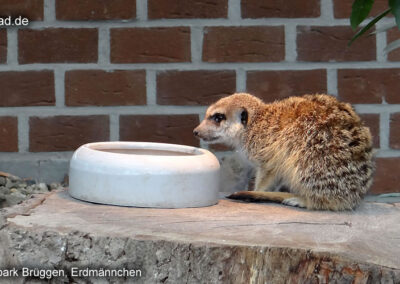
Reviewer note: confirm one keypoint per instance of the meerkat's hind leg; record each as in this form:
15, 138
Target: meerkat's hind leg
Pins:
261, 196
265, 180
295, 202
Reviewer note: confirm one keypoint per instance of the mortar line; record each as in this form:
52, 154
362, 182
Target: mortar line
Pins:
384, 130
323, 20
320, 21
141, 10
231, 21
196, 42
331, 77
35, 155
114, 127
23, 133
49, 11
381, 42
377, 108
105, 109
59, 86
44, 111
151, 87
241, 77
388, 153
104, 46
290, 42
327, 13
234, 10
12, 48
209, 66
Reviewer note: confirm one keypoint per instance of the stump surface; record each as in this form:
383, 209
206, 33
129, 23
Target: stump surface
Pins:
230, 242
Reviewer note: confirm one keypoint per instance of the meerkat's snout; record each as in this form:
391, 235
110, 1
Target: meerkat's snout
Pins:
207, 131
223, 123
198, 133
211, 129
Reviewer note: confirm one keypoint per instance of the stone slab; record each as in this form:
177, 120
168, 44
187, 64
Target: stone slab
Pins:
229, 242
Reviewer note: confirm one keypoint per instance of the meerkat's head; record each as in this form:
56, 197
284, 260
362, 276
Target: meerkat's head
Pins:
227, 119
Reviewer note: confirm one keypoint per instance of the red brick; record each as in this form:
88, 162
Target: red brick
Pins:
280, 9
369, 86
387, 178
276, 85
3, 46
177, 129
27, 88
342, 8
395, 131
320, 44
372, 121
66, 133
57, 45
244, 44
150, 45
95, 9
194, 87
105, 88
31, 9
187, 9
8, 134
392, 35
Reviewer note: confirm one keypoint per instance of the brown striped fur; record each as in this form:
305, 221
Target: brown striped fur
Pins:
314, 145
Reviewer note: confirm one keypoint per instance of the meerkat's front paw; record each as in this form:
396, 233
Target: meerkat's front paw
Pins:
295, 202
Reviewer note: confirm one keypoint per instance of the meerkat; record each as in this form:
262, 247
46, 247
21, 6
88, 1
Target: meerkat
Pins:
314, 145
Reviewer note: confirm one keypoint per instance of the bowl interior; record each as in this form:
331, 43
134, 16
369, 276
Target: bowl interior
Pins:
149, 149
151, 152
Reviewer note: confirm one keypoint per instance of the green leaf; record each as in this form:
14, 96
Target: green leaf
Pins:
395, 6
360, 11
369, 25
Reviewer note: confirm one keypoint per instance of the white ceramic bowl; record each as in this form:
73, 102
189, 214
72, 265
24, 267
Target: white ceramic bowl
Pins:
144, 174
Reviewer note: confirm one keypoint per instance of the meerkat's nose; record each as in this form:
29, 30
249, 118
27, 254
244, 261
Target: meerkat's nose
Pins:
195, 133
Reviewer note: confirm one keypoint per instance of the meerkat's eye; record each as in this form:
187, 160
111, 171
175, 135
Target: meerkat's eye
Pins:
218, 117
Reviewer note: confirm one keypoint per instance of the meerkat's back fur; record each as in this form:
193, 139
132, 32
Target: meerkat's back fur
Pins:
315, 145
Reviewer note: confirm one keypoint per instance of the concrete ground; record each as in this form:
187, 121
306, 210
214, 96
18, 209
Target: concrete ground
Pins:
230, 242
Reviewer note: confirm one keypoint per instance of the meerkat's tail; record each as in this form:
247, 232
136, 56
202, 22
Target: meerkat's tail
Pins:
262, 196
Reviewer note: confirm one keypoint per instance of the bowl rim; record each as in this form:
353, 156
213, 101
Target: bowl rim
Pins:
126, 145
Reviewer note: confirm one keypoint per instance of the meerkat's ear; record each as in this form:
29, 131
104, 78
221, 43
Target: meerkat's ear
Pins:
244, 116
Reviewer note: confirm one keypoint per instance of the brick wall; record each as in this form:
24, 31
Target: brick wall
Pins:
145, 70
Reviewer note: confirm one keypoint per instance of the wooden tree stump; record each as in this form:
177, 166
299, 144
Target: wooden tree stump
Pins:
230, 242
